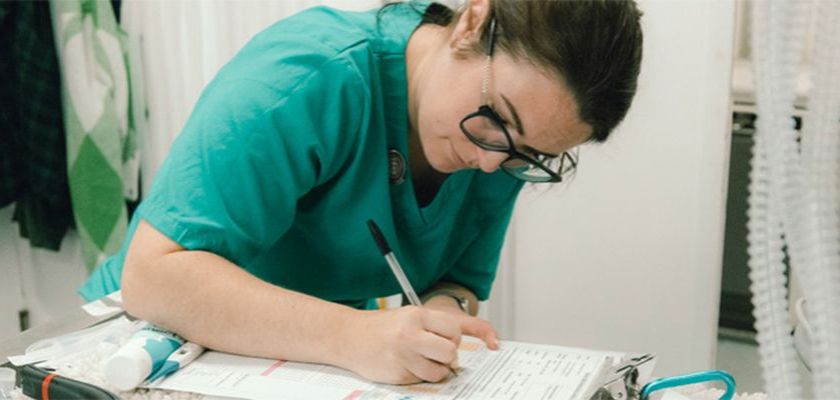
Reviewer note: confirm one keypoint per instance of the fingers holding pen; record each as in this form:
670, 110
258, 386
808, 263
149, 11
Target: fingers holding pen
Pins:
438, 349
443, 324
403, 345
437, 343
427, 370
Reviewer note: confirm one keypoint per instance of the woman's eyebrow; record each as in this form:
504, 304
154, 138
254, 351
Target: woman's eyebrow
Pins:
518, 123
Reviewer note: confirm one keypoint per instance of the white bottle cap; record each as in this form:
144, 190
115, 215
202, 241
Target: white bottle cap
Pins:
130, 366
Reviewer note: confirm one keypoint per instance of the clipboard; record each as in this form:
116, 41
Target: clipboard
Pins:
626, 380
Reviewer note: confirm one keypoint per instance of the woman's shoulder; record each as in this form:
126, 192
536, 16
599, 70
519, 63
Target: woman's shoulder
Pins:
327, 29
318, 39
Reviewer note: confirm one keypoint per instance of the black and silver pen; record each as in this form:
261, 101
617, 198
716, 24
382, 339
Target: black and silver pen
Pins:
391, 259
394, 264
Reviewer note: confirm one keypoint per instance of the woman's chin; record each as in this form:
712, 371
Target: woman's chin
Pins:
443, 167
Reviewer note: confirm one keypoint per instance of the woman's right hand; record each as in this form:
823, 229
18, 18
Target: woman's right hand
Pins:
400, 346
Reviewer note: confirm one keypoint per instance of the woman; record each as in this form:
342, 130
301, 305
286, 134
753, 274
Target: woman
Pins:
253, 238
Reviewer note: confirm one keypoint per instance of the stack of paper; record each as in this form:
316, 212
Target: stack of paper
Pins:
516, 371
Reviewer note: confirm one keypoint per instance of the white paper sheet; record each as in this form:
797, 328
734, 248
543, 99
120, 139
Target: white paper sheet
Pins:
516, 371
108, 305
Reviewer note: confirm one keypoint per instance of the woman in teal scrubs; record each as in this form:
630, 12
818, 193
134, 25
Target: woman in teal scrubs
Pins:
253, 238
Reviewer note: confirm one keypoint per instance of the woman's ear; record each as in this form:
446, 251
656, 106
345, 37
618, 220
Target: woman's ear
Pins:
465, 37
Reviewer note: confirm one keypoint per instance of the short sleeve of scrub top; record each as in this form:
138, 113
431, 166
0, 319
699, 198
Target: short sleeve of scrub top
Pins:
286, 156
234, 184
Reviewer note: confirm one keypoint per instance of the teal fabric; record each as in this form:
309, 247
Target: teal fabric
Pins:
285, 158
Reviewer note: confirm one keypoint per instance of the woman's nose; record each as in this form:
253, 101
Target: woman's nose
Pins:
489, 161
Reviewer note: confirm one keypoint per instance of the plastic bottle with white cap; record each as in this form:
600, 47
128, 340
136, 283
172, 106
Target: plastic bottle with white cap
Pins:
143, 354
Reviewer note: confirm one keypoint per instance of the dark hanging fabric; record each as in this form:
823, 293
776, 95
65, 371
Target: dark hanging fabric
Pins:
115, 4
33, 153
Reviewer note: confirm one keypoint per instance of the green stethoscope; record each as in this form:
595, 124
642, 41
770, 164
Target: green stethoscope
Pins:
690, 379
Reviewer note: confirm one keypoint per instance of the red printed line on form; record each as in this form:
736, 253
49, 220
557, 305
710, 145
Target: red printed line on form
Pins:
274, 366
355, 395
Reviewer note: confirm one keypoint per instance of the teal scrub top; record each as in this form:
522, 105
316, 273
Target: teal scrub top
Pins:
285, 158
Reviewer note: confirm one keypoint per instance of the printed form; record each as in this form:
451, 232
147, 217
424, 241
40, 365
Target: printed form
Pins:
516, 371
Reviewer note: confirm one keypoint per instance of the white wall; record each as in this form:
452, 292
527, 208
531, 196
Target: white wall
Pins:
628, 257
11, 296
41, 281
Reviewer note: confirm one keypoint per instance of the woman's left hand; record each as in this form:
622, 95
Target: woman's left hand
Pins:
472, 326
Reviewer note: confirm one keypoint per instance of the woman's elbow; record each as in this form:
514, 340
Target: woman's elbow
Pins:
132, 289
140, 276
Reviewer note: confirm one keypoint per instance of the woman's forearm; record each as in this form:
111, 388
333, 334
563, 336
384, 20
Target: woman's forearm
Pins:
217, 304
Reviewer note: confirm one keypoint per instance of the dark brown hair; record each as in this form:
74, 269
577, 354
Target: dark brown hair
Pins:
596, 45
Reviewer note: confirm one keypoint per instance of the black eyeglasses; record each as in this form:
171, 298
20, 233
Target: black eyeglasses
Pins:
486, 129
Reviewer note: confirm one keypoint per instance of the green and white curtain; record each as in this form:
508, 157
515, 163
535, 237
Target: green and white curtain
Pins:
101, 145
